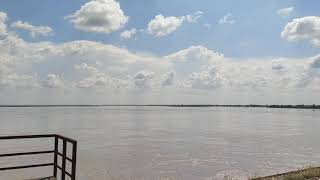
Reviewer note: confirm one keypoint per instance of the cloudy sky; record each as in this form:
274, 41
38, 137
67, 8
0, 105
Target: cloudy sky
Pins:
159, 51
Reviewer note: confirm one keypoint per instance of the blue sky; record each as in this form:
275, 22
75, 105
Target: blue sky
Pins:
159, 51
256, 32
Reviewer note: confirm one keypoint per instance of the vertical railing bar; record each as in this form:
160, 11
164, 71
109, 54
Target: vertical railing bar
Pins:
74, 160
56, 149
64, 153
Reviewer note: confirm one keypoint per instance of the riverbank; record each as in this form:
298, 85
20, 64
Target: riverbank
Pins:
298, 106
311, 173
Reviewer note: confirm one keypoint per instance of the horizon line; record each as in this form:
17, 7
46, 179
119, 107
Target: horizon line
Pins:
300, 106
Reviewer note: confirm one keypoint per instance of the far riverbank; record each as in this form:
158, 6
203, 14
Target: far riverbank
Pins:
288, 106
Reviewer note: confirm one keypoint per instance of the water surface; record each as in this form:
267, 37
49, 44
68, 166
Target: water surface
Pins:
167, 142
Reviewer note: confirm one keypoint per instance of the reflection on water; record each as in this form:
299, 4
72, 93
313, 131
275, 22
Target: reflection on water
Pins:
169, 143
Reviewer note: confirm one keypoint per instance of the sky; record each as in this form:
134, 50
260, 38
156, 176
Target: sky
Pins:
159, 52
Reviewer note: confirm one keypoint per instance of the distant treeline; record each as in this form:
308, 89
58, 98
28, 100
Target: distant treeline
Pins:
299, 106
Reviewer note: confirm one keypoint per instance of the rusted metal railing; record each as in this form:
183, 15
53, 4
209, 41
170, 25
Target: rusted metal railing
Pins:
55, 152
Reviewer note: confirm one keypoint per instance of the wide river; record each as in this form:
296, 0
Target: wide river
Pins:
164, 143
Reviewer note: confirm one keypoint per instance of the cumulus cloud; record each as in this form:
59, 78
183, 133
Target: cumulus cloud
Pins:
20, 81
3, 26
4, 63
207, 79
311, 77
163, 26
83, 63
102, 16
227, 19
52, 81
143, 79
94, 78
306, 28
316, 62
85, 68
88, 66
194, 58
207, 69
284, 12
97, 80
168, 78
196, 53
34, 30
127, 34
277, 65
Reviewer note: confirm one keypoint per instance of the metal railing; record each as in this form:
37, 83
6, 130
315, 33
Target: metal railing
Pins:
55, 152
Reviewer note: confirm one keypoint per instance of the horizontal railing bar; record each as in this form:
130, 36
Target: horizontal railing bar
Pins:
64, 171
38, 136
45, 178
69, 159
27, 136
66, 138
28, 166
26, 153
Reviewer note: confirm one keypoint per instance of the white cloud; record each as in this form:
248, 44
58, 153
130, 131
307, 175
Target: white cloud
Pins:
143, 79
85, 68
85, 63
3, 26
94, 78
194, 17
34, 30
102, 16
88, 67
306, 28
316, 62
227, 19
207, 79
94, 70
127, 34
278, 65
196, 53
20, 81
311, 77
93, 64
4, 63
98, 80
208, 69
285, 11
52, 81
194, 58
163, 26
168, 78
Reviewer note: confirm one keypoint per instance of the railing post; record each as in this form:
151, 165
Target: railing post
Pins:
56, 149
64, 154
74, 160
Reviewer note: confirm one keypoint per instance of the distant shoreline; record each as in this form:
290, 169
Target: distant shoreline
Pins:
299, 106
